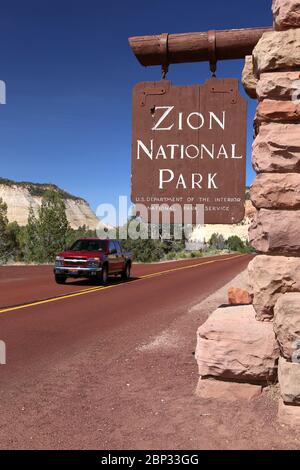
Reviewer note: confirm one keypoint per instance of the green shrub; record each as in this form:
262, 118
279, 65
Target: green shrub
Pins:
171, 255
196, 254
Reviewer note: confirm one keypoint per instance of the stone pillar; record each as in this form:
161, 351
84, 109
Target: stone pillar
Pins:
275, 273
238, 347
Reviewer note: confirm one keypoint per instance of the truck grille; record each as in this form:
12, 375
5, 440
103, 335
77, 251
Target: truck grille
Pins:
74, 262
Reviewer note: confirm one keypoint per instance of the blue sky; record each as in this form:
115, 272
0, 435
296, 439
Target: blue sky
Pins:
69, 73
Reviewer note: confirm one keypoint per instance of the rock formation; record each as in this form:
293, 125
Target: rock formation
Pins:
289, 379
237, 343
20, 196
275, 193
209, 388
249, 80
270, 277
277, 85
281, 191
238, 296
276, 232
287, 326
232, 345
277, 51
289, 415
241, 230
286, 14
277, 149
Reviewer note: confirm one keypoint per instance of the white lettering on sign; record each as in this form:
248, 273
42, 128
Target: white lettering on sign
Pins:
194, 120
167, 175
176, 151
172, 151
165, 114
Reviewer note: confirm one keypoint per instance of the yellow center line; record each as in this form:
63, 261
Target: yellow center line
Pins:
96, 289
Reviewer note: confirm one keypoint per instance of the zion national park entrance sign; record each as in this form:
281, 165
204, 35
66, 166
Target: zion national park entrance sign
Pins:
189, 142
189, 147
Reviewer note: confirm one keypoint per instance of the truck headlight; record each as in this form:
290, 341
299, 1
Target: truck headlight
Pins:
93, 262
59, 261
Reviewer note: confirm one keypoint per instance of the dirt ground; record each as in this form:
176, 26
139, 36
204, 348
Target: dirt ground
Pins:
168, 415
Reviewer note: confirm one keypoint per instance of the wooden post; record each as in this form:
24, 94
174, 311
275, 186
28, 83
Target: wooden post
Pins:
196, 47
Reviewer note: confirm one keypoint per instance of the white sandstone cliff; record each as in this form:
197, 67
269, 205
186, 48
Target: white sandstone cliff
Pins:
204, 233
19, 198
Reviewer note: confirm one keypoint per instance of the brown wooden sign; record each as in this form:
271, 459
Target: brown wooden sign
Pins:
189, 147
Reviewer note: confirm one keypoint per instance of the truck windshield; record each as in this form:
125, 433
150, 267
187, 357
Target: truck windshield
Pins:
88, 245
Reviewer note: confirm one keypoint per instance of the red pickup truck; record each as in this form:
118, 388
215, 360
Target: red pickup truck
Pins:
93, 258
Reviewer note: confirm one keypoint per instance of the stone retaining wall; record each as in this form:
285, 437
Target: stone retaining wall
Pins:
275, 192
243, 344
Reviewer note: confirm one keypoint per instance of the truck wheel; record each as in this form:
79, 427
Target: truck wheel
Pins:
60, 278
126, 272
104, 275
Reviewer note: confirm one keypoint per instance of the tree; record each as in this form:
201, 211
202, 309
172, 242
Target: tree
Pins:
234, 243
52, 226
217, 241
48, 232
14, 236
4, 242
31, 243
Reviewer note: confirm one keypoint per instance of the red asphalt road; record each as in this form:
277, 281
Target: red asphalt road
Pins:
25, 284
39, 338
